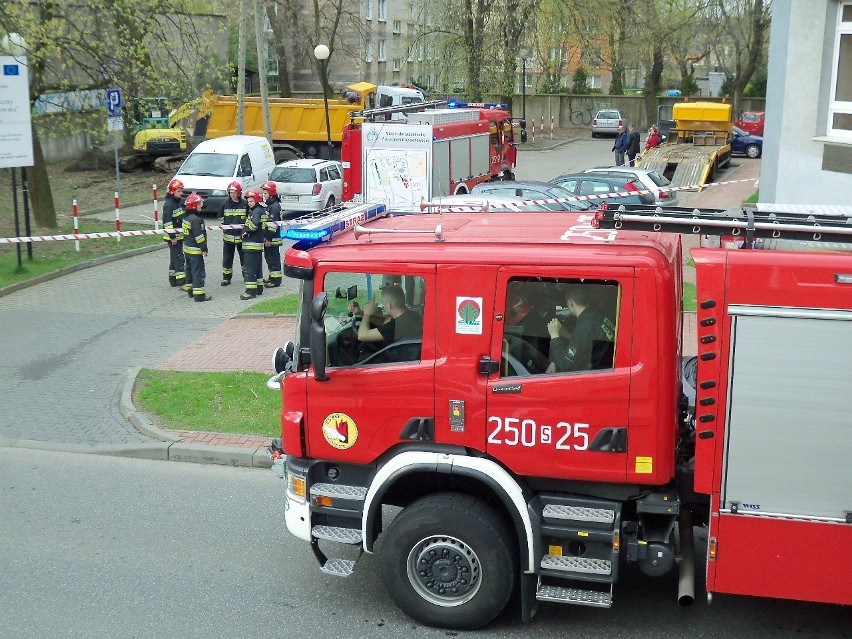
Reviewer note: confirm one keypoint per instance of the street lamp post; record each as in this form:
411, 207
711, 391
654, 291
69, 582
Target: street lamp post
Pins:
524, 53
321, 53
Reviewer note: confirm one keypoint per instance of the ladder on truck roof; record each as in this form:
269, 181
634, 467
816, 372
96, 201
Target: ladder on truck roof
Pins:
371, 115
747, 224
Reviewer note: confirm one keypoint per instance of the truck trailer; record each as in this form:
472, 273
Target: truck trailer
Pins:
537, 435
698, 146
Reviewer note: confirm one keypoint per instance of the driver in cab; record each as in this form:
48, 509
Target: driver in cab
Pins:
398, 323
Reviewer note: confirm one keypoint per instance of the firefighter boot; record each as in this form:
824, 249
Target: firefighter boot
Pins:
272, 282
202, 298
225, 281
172, 280
247, 296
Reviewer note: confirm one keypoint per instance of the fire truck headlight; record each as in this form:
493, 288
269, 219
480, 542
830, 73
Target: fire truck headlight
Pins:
296, 487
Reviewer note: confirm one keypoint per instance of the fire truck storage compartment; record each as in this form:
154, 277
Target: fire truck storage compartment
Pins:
789, 439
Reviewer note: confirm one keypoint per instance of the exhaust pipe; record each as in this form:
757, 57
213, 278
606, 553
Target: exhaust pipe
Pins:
686, 581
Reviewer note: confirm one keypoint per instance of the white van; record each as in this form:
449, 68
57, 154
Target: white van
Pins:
215, 163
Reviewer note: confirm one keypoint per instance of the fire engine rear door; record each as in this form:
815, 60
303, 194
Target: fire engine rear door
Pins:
571, 424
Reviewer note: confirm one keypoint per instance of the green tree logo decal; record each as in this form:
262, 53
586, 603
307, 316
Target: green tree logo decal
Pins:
469, 311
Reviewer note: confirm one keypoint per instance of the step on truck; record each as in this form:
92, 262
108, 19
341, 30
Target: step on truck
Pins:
299, 127
696, 148
528, 422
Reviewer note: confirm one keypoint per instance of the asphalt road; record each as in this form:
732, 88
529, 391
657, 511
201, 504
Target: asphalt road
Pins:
104, 547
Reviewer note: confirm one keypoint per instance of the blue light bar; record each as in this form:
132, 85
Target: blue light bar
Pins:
325, 226
455, 104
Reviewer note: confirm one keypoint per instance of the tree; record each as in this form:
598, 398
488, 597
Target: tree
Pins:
145, 47
744, 28
580, 81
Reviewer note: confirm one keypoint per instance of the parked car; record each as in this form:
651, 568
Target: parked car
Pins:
598, 184
648, 178
308, 185
744, 144
532, 191
607, 121
751, 122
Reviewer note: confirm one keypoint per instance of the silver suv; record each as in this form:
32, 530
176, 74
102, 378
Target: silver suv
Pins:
607, 121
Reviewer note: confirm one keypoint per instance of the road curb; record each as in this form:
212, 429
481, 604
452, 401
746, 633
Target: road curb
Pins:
6, 290
174, 449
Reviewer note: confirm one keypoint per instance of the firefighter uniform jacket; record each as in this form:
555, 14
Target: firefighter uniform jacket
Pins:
172, 218
195, 241
253, 233
271, 230
233, 213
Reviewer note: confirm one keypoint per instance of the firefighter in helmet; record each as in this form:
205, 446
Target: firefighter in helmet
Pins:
253, 246
233, 211
195, 247
173, 224
272, 234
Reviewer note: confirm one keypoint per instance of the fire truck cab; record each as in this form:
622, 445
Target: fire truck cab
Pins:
524, 413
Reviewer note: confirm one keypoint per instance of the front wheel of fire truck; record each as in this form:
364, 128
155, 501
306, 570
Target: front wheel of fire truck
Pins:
448, 560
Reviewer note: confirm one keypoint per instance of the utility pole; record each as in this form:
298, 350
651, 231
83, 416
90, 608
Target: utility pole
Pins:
260, 36
241, 71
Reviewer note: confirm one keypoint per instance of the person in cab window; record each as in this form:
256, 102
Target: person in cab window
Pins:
590, 346
399, 322
529, 325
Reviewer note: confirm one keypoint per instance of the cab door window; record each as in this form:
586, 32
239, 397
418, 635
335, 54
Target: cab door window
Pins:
373, 319
245, 166
555, 325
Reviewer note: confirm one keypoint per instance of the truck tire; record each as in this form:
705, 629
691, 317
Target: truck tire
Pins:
449, 560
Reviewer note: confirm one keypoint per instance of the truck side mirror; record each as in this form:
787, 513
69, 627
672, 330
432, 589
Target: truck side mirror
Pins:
318, 338
523, 131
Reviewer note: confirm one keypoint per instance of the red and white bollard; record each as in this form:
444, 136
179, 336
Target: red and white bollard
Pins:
117, 218
551, 127
533, 129
156, 213
542, 125
75, 214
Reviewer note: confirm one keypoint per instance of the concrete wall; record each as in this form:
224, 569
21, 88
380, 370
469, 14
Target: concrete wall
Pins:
795, 144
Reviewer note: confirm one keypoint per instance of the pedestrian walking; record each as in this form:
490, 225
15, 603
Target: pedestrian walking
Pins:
233, 211
620, 146
173, 225
632, 149
272, 234
195, 247
253, 245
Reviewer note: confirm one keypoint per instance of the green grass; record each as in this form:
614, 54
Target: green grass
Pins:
689, 297
53, 256
237, 403
284, 305
754, 198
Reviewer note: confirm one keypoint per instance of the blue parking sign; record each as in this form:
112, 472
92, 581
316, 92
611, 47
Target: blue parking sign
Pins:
114, 102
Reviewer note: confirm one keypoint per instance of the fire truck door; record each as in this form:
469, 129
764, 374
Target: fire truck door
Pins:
377, 394
559, 407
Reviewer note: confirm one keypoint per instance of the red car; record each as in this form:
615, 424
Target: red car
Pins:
751, 122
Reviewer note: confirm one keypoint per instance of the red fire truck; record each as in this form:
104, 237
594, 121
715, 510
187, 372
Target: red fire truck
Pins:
427, 153
525, 414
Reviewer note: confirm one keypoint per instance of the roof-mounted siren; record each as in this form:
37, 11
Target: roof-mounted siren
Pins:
324, 227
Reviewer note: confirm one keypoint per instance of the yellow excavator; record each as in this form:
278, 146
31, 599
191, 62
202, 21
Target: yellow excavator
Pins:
158, 138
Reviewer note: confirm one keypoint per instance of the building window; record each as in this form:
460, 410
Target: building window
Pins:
368, 10
383, 10
397, 64
840, 107
369, 54
382, 57
397, 26
411, 52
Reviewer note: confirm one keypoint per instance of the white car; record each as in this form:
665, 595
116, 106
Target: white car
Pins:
308, 185
649, 179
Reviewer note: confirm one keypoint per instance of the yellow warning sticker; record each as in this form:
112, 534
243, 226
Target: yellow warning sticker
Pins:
644, 465
556, 551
